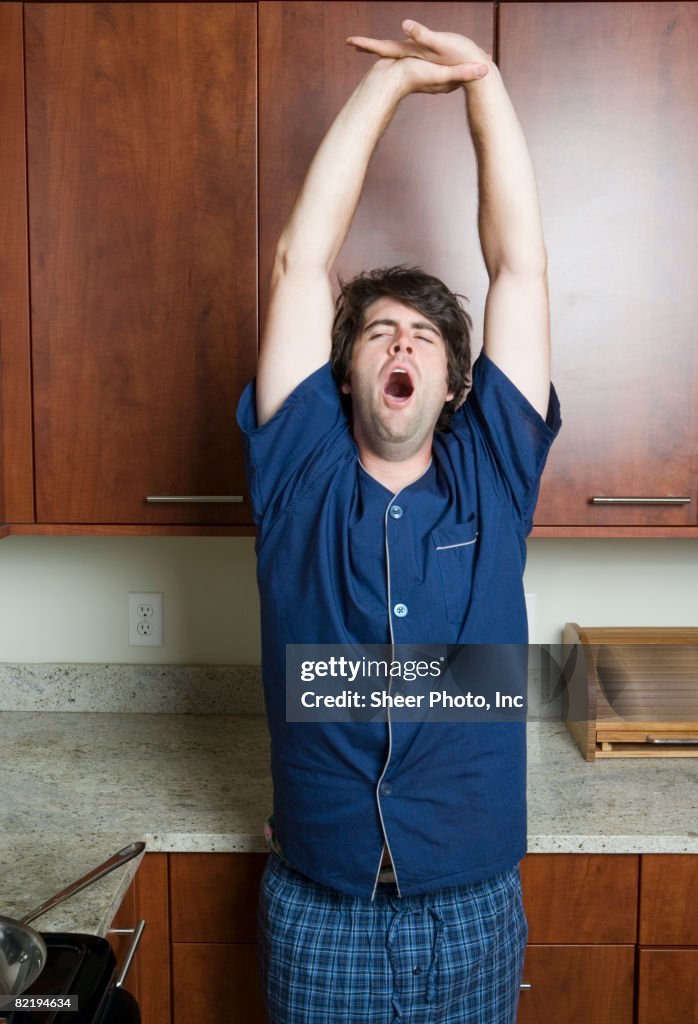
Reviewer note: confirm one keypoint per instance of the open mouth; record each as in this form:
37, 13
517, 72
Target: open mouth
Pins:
398, 385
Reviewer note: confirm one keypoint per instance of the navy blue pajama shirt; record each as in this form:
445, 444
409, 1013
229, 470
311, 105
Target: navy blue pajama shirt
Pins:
342, 560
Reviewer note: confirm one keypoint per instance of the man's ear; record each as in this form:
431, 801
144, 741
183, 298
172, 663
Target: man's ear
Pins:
345, 388
465, 394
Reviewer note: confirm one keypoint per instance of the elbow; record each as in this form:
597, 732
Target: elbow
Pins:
283, 260
297, 257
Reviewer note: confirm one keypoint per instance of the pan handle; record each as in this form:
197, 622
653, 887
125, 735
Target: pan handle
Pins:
128, 853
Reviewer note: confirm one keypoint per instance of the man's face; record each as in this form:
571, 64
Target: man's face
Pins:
397, 380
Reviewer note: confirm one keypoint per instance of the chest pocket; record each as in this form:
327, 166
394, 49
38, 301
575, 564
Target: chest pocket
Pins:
455, 550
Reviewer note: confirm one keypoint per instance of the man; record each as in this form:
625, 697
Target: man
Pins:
394, 891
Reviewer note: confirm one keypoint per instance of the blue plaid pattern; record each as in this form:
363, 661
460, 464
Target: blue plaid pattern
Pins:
454, 956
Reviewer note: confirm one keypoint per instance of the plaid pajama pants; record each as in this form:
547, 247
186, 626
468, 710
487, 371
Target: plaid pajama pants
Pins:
454, 956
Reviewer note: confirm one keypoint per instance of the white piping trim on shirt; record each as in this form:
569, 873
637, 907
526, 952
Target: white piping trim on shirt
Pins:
390, 731
462, 544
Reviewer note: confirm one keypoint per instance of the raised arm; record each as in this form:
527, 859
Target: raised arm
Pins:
517, 322
297, 335
517, 317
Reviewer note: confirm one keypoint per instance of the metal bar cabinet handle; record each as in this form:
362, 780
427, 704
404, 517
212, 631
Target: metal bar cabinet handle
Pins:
191, 499
137, 933
599, 499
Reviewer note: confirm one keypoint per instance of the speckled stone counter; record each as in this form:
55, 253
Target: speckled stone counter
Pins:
619, 805
75, 787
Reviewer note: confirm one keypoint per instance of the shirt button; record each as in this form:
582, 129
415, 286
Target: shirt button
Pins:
386, 789
396, 512
400, 610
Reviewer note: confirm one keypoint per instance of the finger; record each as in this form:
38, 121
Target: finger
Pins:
436, 78
469, 71
420, 33
384, 47
472, 70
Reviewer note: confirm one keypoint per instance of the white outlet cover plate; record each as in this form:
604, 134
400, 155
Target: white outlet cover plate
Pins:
145, 607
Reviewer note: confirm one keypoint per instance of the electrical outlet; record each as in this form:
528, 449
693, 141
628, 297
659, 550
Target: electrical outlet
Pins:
145, 620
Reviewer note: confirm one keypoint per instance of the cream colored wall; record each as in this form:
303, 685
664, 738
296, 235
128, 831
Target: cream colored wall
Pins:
64, 598
612, 583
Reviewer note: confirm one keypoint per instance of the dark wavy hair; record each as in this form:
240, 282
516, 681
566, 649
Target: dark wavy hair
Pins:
425, 293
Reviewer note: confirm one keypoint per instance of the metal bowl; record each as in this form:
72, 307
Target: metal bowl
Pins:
22, 956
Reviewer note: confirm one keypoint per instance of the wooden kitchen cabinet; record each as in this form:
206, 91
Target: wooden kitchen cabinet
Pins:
216, 982
141, 152
608, 98
668, 986
668, 956
213, 906
669, 900
419, 204
585, 913
16, 482
149, 977
142, 127
197, 959
582, 921
578, 985
582, 912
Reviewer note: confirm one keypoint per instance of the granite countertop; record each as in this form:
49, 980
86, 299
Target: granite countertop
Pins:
77, 786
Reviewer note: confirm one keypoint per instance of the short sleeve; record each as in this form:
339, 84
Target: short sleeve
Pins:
514, 433
303, 440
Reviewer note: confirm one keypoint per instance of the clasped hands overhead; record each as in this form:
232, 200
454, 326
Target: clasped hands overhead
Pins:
430, 61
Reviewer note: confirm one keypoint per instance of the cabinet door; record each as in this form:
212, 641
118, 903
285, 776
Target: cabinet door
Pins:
216, 982
213, 900
580, 898
582, 926
608, 97
419, 203
16, 484
668, 899
142, 199
214, 896
668, 986
578, 985
149, 976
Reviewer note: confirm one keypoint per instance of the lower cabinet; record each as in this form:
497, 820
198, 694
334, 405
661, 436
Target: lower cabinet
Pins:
578, 985
582, 929
668, 957
149, 977
668, 986
215, 981
586, 914
213, 909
